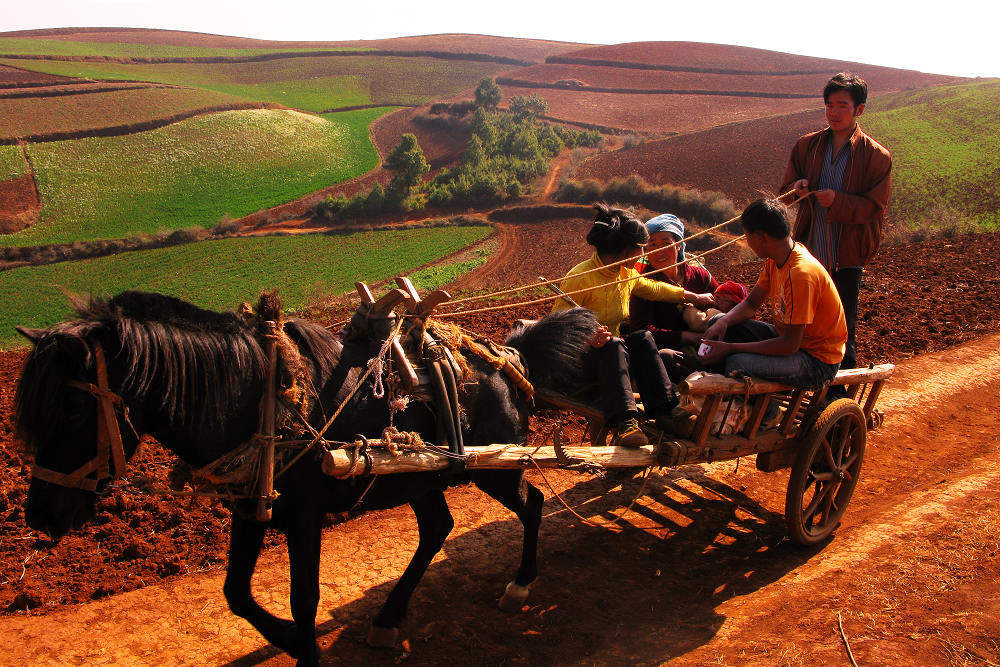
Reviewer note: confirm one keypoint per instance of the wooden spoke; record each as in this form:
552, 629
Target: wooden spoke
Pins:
842, 435
821, 476
828, 453
821, 494
850, 460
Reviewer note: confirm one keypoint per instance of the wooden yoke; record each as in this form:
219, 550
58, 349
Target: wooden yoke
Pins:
422, 308
406, 372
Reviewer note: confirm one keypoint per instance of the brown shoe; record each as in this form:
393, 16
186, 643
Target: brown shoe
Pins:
628, 434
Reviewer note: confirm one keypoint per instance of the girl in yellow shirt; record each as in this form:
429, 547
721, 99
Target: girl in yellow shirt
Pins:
618, 235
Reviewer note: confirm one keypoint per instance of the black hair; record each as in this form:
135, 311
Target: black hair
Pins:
615, 230
768, 216
849, 81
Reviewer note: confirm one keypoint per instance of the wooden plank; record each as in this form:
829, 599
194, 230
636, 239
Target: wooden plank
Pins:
704, 423
756, 415
564, 402
791, 411
718, 384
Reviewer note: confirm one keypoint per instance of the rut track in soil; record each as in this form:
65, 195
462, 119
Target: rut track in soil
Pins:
719, 582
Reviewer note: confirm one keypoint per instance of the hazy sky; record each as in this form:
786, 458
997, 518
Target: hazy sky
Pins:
957, 37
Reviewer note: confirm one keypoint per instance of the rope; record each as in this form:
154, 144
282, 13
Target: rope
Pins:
555, 297
371, 366
591, 522
544, 283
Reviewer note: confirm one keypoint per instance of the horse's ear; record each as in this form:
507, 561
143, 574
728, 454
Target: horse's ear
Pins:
34, 335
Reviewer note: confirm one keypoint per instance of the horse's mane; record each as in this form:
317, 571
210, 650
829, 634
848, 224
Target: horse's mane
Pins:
198, 362
553, 348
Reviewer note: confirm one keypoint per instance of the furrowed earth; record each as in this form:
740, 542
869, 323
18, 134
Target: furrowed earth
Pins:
693, 583
700, 571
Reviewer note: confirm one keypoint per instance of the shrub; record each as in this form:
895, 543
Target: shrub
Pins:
708, 207
488, 93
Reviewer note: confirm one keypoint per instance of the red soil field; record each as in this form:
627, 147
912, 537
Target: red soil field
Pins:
18, 204
741, 160
658, 114
139, 540
534, 50
121, 111
720, 57
880, 79
14, 77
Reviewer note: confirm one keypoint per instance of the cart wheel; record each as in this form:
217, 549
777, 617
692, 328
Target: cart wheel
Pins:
825, 472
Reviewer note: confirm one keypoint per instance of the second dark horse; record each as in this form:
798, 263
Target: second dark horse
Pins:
193, 379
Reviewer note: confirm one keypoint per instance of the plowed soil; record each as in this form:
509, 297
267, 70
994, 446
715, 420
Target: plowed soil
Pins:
737, 159
722, 57
15, 76
658, 114
18, 204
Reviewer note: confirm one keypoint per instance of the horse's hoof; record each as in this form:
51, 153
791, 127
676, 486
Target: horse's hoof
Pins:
382, 637
514, 597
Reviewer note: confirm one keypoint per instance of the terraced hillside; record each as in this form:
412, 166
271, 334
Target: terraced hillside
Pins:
677, 87
942, 139
312, 84
192, 172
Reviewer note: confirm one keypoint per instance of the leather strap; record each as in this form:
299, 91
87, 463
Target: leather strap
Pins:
109, 437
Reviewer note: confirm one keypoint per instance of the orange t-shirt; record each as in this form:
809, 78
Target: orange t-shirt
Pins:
802, 292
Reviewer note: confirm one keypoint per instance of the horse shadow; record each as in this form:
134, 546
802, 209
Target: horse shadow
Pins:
646, 592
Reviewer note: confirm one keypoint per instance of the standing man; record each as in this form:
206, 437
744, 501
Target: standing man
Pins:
850, 174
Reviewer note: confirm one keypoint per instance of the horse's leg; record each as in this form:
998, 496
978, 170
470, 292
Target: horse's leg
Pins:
245, 542
434, 522
304, 539
515, 493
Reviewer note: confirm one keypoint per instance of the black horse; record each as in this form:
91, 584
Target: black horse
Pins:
193, 379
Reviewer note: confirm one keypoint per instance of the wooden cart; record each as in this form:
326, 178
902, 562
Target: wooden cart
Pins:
822, 441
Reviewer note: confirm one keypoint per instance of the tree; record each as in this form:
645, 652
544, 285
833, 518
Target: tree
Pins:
528, 106
408, 164
474, 154
484, 126
488, 93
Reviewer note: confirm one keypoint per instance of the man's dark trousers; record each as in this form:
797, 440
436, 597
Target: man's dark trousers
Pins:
848, 282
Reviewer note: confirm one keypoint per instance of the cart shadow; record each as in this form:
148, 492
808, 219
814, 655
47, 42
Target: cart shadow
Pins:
646, 592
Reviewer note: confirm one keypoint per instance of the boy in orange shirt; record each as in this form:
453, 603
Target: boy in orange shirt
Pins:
805, 346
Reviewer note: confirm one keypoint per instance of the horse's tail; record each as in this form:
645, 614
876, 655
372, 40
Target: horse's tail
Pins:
553, 348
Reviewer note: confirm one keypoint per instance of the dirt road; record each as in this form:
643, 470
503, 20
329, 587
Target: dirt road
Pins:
702, 575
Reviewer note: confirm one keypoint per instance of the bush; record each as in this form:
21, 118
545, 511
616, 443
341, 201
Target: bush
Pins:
708, 207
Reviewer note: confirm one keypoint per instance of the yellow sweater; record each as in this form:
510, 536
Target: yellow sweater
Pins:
610, 302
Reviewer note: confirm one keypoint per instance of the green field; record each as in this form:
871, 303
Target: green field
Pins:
220, 274
944, 142
313, 84
59, 47
11, 164
192, 173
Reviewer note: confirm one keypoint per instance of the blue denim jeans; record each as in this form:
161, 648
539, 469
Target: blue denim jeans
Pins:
800, 370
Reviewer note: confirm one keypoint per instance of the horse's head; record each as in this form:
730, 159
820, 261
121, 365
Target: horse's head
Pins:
59, 419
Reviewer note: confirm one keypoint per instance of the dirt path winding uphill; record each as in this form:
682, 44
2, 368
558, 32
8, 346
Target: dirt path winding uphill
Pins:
913, 570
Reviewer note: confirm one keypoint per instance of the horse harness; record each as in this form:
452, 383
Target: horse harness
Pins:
109, 438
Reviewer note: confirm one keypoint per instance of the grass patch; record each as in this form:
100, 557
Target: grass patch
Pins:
220, 274
11, 163
192, 173
298, 81
431, 277
944, 143
42, 115
59, 47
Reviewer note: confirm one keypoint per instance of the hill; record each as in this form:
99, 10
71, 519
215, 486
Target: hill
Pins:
532, 50
666, 88
942, 140
191, 173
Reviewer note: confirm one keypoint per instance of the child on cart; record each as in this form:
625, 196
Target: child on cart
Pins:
806, 344
617, 236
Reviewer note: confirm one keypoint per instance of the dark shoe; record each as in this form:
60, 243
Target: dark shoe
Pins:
628, 434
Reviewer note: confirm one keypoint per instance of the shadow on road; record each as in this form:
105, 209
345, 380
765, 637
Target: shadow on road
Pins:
647, 592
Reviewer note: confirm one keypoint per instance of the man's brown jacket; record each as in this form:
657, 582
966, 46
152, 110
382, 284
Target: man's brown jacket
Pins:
860, 204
